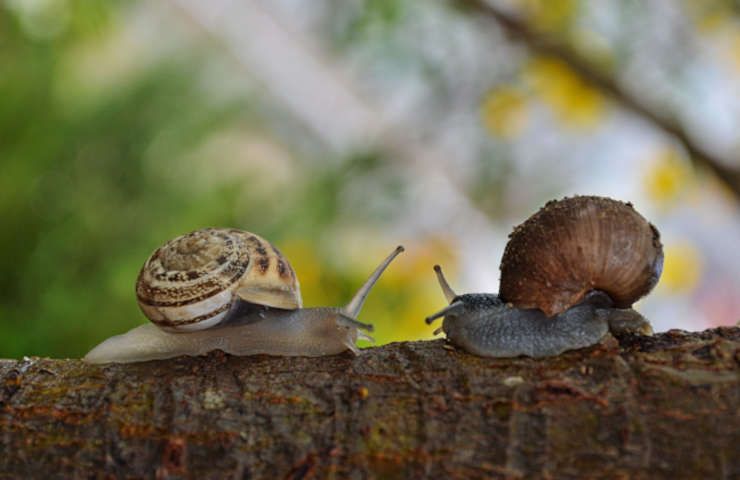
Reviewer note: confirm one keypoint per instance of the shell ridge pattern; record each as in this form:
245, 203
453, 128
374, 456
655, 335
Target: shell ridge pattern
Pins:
575, 245
192, 268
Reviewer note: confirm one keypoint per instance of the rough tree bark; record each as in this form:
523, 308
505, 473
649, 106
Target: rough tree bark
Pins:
653, 407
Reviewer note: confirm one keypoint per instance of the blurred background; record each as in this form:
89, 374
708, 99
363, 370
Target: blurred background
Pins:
339, 129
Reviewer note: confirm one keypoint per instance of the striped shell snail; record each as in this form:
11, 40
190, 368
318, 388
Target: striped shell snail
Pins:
569, 275
231, 290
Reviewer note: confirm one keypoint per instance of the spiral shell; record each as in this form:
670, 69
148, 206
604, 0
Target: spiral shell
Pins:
575, 245
191, 282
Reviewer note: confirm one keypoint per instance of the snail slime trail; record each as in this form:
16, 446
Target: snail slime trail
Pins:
569, 275
232, 290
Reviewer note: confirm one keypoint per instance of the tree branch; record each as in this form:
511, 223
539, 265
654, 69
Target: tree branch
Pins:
656, 407
548, 46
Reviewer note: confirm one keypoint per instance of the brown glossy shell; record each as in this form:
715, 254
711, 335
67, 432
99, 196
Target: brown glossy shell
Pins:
191, 282
575, 245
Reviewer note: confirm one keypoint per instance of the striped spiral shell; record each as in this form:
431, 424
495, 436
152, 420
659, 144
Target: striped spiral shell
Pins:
575, 245
191, 282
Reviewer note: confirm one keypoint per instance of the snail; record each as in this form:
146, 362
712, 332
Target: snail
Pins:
231, 290
569, 274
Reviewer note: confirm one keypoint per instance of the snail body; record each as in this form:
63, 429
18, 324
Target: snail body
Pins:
310, 332
569, 275
231, 290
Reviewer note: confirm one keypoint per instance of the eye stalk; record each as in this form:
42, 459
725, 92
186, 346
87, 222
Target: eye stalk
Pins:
446, 289
455, 308
355, 305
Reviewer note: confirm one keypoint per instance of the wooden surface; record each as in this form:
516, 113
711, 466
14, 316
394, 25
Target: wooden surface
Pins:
666, 406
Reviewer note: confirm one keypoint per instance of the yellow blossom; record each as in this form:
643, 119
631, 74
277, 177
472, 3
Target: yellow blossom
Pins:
503, 111
572, 100
682, 268
667, 177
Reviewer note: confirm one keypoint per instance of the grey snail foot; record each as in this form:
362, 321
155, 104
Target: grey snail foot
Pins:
628, 322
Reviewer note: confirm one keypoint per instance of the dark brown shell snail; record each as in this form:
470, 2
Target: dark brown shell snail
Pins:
576, 245
569, 274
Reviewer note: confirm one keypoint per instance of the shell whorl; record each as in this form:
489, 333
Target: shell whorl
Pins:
191, 282
578, 244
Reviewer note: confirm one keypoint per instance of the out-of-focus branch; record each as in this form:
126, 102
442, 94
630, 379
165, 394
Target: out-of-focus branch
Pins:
546, 45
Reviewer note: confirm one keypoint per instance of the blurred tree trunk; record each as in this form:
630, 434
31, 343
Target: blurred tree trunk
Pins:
654, 407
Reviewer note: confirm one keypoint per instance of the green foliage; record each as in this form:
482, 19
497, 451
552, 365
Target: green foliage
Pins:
100, 168
82, 201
